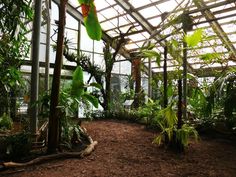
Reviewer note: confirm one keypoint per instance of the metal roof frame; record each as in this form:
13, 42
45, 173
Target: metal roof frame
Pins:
206, 13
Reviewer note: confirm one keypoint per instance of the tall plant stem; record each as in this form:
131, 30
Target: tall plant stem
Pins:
179, 122
184, 78
53, 134
165, 77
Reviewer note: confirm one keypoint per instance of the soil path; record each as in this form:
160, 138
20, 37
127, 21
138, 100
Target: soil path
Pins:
126, 150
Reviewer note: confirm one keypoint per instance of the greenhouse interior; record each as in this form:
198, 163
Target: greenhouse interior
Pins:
108, 88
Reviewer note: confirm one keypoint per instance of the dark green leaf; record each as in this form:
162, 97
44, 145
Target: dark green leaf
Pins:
93, 100
77, 82
94, 84
152, 54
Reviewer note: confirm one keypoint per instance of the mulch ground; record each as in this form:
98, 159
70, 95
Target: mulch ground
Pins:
126, 150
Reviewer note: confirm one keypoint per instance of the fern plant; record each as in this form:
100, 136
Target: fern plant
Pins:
170, 135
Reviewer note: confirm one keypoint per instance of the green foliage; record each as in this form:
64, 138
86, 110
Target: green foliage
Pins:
13, 42
173, 136
14, 15
5, 122
198, 103
152, 54
15, 147
175, 50
96, 85
213, 104
77, 82
169, 117
170, 135
73, 94
185, 19
44, 104
184, 134
91, 22
149, 113
92, 99
194, 39
210, 57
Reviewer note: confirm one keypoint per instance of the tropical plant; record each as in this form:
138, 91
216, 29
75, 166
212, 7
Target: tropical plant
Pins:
5, 121
70, 97
95, 72
17, 145
223, 95
149, 113
78, 88
91, 22
172, 136
14, 16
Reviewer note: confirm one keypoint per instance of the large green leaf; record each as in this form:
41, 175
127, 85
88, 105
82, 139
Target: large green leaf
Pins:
97, 85
152, 54
194, 39
77, 83
93, 100
210, 57
170, 90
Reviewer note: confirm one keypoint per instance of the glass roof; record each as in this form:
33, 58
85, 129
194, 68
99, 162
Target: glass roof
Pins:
152, 19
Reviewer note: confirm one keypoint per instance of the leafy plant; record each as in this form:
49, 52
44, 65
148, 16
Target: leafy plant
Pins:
152, 54
70, 97
194, 39
90, 19
149, 113
14, 16
78, 86
5, 121
18, 145
176, 138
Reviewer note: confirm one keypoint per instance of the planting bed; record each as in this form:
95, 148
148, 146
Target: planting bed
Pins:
126, 150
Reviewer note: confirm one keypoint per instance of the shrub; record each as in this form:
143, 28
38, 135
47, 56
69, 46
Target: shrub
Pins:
18, 145
5, 122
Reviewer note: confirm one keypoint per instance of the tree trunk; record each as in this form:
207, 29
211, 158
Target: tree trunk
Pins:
107, 98
165, 102
179, 123
13, 104
3, 100
53, 134
184, 79
137, 77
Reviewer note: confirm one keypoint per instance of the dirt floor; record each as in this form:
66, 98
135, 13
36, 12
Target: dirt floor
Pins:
126, 150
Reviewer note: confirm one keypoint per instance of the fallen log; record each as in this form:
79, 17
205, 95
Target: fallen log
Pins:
87, 151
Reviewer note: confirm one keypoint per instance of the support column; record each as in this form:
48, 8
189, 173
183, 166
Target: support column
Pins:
47, 54
35, 67
150, 78
79, 38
